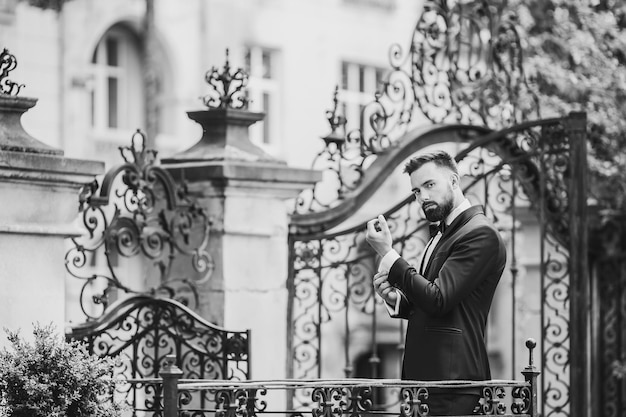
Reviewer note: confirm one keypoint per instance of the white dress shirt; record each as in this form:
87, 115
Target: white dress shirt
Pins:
392, 256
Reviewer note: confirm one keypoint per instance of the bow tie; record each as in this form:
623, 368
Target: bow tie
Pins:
434, 228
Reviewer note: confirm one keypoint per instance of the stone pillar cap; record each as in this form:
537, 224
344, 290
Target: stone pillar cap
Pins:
13, 137
224, 138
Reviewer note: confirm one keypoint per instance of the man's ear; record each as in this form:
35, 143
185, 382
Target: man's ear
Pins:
455, 181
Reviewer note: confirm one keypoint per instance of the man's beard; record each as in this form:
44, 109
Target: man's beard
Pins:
438, 212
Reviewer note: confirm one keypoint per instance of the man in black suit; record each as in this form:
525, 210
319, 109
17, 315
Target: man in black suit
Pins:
447, 297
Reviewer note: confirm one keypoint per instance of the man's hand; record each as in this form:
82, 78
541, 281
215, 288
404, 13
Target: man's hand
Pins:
384, 288
378, 235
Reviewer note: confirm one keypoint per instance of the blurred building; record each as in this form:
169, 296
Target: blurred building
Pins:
85, 62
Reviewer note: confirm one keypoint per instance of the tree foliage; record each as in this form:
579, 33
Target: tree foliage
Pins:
576, 61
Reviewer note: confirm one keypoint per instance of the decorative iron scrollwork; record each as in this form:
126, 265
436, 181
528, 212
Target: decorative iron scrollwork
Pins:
464, 65
413, 402
521, 400
518, 169
228, 88
144, 332
330, 401
231, 403
466, 62
492, 401
8, 64
143, 234
343, 158
463, 76
359, 401
239, 402
333, 398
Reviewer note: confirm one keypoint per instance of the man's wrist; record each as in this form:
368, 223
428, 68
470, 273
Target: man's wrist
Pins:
383, 251
387, 260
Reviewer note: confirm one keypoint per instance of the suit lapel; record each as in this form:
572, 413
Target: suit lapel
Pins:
450, 230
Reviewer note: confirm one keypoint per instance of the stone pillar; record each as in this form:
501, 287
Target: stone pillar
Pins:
245, 191
39, 189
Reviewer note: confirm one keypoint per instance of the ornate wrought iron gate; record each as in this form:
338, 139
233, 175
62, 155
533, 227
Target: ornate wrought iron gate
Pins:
142, 331
528, 173
139, 263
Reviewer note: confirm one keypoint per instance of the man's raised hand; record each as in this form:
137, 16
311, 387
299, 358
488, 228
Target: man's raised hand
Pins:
378, 235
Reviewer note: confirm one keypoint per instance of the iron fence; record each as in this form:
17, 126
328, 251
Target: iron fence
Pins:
354, 397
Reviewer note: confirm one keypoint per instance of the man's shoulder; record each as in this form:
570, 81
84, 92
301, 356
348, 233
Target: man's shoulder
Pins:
472, 223
481, 224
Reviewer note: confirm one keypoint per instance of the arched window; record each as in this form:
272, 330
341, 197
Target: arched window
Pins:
117, 96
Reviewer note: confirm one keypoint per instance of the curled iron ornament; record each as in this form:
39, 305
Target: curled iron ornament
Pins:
8, 62
343, 157
139, 214
412, 403
467, 65
228, 88
137, 153
239, 402
359, 401
464, 65
330, 400
522, 397
143, 333
492, 401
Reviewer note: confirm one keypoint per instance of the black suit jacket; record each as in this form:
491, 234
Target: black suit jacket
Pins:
447, 308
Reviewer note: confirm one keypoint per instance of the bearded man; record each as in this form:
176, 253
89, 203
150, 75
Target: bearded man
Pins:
446, 297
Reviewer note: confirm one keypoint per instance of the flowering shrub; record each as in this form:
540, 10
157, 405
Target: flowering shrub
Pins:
54, 378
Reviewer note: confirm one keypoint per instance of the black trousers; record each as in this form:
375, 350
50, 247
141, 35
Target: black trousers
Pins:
451, 404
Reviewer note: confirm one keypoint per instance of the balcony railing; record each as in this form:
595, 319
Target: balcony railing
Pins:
356, 397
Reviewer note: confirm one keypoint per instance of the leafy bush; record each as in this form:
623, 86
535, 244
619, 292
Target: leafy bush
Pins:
54, 378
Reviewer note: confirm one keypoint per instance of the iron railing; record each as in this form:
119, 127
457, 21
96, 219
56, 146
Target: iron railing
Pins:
144, 333
354, 397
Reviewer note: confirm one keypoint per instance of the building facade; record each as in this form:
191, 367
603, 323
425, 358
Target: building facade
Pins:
84, 63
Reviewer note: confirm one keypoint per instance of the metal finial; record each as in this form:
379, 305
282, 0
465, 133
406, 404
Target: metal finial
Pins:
531, 344
137, 153
8, 64
170, 361
228, 89
337, 122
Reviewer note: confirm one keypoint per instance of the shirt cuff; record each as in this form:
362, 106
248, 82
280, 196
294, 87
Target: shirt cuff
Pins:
394, 311
387, 261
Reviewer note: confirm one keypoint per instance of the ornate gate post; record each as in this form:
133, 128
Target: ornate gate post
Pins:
580, 292
244, 190
39, 189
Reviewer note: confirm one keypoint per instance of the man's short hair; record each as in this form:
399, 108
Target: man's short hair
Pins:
440, 158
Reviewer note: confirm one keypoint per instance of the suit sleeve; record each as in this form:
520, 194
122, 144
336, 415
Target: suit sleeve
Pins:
470, 260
